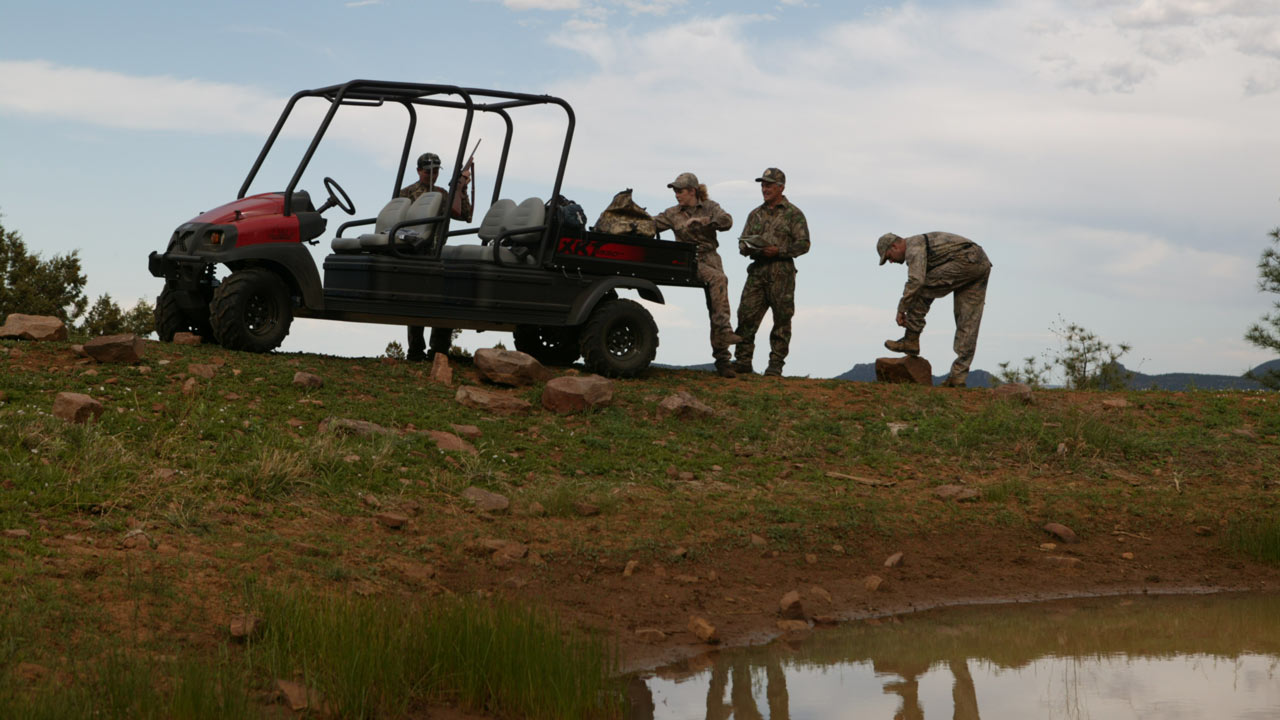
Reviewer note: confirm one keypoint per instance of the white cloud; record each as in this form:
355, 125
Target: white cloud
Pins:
542, 4
363, 3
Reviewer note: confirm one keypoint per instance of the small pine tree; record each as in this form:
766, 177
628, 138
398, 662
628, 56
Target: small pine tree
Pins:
1088, 362
104, 318
1266, 332
394, 350
33, 286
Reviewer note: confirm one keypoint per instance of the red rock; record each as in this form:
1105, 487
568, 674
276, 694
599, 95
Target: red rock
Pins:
307, 380
790, 606
441, 371
509, 367
907, 369
202, 370
1062, 532
684, 405
76, 407
569, 394
480, 399
703, 630
186, 338
450, 442
125, 348
1020, 392
33, 327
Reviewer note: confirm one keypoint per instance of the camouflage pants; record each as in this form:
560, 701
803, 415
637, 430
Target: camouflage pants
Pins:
770, 286
966, 278
716, 285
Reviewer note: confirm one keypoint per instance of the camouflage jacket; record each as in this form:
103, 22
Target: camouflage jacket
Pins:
782, 225
703, 235
925, 252
418, 189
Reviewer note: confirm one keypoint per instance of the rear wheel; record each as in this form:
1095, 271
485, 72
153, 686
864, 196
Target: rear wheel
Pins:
172, 319
620, 339
251, 310
548, 344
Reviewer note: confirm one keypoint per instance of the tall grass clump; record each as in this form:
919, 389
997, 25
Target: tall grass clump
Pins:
373, 657
1258, 539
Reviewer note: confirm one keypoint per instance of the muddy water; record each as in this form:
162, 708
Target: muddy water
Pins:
1176, 657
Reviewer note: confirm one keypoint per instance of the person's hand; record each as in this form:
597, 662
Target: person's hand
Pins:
770, 252
465, 177
902, 319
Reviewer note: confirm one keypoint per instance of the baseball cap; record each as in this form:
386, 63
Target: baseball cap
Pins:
684, 180
773, 175
428, 161
884, 243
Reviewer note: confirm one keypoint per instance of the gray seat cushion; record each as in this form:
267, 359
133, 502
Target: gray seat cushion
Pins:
390, 214
426, 206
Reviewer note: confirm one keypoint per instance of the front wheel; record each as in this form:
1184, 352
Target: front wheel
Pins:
548, 344
171, 319
251, 310
619, 339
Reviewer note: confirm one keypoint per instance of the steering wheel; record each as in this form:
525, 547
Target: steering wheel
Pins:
336, 197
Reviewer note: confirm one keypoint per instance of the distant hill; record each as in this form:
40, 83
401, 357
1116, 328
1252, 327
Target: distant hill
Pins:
866, 372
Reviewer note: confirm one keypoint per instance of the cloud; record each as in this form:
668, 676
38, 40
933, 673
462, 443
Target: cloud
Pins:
362, 3
542, 4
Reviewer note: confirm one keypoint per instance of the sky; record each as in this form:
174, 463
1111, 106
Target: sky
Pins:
1115, 158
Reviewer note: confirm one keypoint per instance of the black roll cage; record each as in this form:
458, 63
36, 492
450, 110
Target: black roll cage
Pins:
411, 95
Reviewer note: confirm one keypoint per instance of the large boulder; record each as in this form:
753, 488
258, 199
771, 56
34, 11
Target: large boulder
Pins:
906, 369
33, 327
126, 349
509, 367
576, 393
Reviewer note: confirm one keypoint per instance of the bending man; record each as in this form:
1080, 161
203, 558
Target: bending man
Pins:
939, 263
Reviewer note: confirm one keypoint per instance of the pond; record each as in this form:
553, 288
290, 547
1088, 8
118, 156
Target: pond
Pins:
1151, 656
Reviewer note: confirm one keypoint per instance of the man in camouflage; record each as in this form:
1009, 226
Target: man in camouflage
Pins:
428, 172
696, 219
939, 263
775, 234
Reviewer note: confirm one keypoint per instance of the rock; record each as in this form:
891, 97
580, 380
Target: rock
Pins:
393, 520
245, 627
873, 583
1126, 555
810, 559
467, 431
897, 427
893, 560
685, 476
651, 635
509, 367
684, 405
1063, 561
76, 407
189, 386
205, 371
586, 509
1048, 547
449, 442
679, 553
1115, 403
31, 673
793, 625
307, 380
631, 567
758, 541
347, 426
371, 500
298, 697
1204, 530
508, 553
486, 501
703, 630
33, 327
1020, 392
906, 369
873, 482
536, 509
17, 533
826, 620
959, 493
125, 348
1062, 532
790, 606
186, 338
573, 394
821, 594
441, 370
480, 399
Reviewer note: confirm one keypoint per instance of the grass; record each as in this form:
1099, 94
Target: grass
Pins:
229, 480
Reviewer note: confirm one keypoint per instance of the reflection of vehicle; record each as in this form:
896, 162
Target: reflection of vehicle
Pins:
534, 271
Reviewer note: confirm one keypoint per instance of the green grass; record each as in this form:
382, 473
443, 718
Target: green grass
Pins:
1258, 539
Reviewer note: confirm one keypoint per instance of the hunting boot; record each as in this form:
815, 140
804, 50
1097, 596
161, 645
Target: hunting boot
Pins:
725, 370
774, 370
954, 381
743, 368
909, 344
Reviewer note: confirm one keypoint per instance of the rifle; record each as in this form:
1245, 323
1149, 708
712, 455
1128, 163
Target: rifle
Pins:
455, 209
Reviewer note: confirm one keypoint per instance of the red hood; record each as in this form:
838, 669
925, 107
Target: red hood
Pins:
250, 207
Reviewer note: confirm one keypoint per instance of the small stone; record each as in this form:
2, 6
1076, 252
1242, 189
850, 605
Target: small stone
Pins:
958, 493
448, 442
810, 559
684, 405
76, 407
686, 476
790, 606
567, 394
1064, 561
245, 627
536, 509
651, 635
17, 533
703, 630
467, 431
793, 625
631, 567
1204, 530
821, 594
486, 501
370, 500
480, 399
125, 348
202, 370
1115, 403
189, 387
392, 520
837, 549
186, 338
1018, 392
873, 583
679, 553
893, 560
758, 541
441, 371
826, 620
295, 423
307, 380
1048, 547
1126, 555
1062, 532
586, 509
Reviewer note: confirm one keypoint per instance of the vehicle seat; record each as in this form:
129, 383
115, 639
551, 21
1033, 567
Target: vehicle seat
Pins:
426, 206
391, 213
532, 211
494, 220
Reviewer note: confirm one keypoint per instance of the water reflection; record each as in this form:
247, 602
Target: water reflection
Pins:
1214, 656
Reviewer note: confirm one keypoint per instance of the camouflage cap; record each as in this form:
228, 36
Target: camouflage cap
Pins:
684, 180
885, 242
772, 175
428, 161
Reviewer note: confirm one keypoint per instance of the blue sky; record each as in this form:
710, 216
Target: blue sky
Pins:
1116, 158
